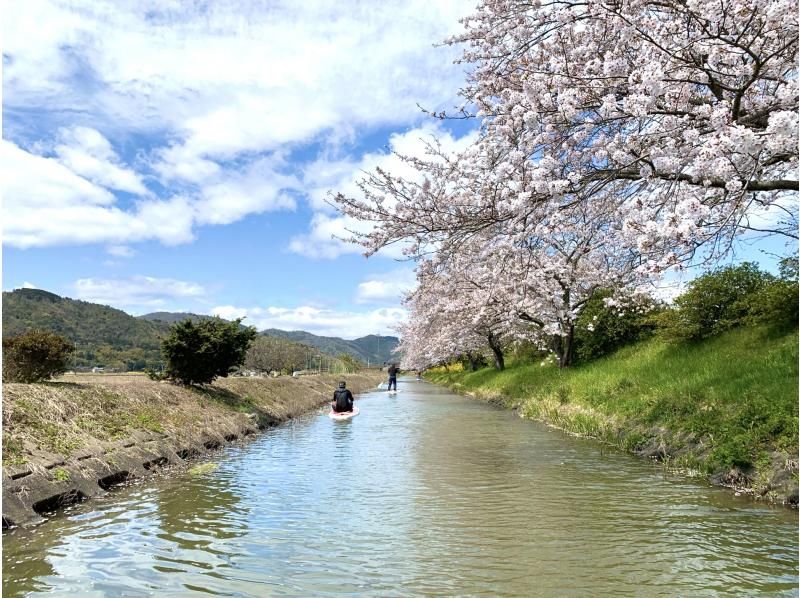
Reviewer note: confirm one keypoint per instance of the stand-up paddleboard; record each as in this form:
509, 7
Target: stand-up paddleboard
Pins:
344, 415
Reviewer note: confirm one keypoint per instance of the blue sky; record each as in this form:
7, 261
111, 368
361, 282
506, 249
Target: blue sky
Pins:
172, 155
177, 155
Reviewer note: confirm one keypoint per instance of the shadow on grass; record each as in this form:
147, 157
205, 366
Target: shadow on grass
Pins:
221, 395
243, 404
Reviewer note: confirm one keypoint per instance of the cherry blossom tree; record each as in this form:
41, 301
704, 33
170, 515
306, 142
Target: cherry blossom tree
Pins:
459, 308
691, 105
504, 270
618, 140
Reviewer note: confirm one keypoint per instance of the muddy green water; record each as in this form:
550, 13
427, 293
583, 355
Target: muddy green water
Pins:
424, 493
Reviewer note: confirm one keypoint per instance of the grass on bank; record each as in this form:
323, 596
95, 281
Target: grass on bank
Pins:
730, 401
75, 412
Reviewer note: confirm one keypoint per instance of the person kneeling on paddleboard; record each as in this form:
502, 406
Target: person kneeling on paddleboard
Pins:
342, 399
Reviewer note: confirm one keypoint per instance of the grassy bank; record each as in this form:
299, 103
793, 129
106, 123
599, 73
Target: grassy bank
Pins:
726, 407
75, 412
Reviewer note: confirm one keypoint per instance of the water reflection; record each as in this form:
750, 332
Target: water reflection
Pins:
422, 493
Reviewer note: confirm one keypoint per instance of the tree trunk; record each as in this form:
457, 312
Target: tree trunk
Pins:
499, 362
566, 348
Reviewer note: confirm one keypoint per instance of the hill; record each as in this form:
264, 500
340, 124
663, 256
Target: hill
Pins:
171, 317
110, 337
371, 349
103, 335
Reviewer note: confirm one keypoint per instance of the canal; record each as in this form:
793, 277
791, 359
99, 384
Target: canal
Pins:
423, 493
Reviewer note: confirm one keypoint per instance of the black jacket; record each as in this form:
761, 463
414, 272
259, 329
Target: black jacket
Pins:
393, 371
343, 400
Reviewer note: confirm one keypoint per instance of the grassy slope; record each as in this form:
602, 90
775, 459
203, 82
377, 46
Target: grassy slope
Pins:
80, 411
723, 404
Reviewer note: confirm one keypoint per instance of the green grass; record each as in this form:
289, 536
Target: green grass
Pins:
727, 402
61, 475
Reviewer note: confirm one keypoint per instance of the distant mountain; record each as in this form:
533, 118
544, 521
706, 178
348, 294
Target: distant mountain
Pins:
368, 349
110, 337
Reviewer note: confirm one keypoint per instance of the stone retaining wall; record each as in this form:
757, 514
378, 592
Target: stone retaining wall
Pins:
51, 481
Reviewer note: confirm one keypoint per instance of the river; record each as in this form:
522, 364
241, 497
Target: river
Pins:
423, 493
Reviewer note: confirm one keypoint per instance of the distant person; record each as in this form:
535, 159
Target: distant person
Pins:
342, 399
393, 369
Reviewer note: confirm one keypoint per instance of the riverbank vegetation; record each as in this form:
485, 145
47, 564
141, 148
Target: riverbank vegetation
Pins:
198, 353
35, 356
724, 407
707, 384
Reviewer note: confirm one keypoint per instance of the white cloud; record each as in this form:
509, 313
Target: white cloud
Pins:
229, 77
28, 285
386, 288
89, 154
668, 291
177, 162
214, 88
324, 237
120, 251
47, 204
255, 189
781, 214
37, 181
138, 293
324, 322
326, 176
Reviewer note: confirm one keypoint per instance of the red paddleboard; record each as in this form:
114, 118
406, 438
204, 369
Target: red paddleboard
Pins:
344, 414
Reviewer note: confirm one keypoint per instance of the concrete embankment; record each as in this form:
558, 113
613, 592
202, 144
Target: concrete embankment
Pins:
73, 439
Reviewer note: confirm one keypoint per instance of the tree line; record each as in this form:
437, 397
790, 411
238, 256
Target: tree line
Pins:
195, 352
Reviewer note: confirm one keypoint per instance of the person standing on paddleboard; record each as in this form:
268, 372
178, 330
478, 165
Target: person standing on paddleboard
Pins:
393, 369
342, 399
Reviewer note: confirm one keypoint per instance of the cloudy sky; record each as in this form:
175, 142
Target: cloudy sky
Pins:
177, 155
171, 155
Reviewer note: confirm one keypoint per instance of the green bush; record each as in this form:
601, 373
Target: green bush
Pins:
528, 352
602, 329
153, 374
349, 364
715, 302
198, 352
35, 356
473, 361
776, 303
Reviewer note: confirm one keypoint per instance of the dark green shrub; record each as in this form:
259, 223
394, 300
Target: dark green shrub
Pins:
602, 329
198, 352
156, 375
528, 352
715, 302
776, 303
473, 361
35, 356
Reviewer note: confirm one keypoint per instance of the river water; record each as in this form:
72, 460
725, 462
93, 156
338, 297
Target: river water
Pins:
424, 493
